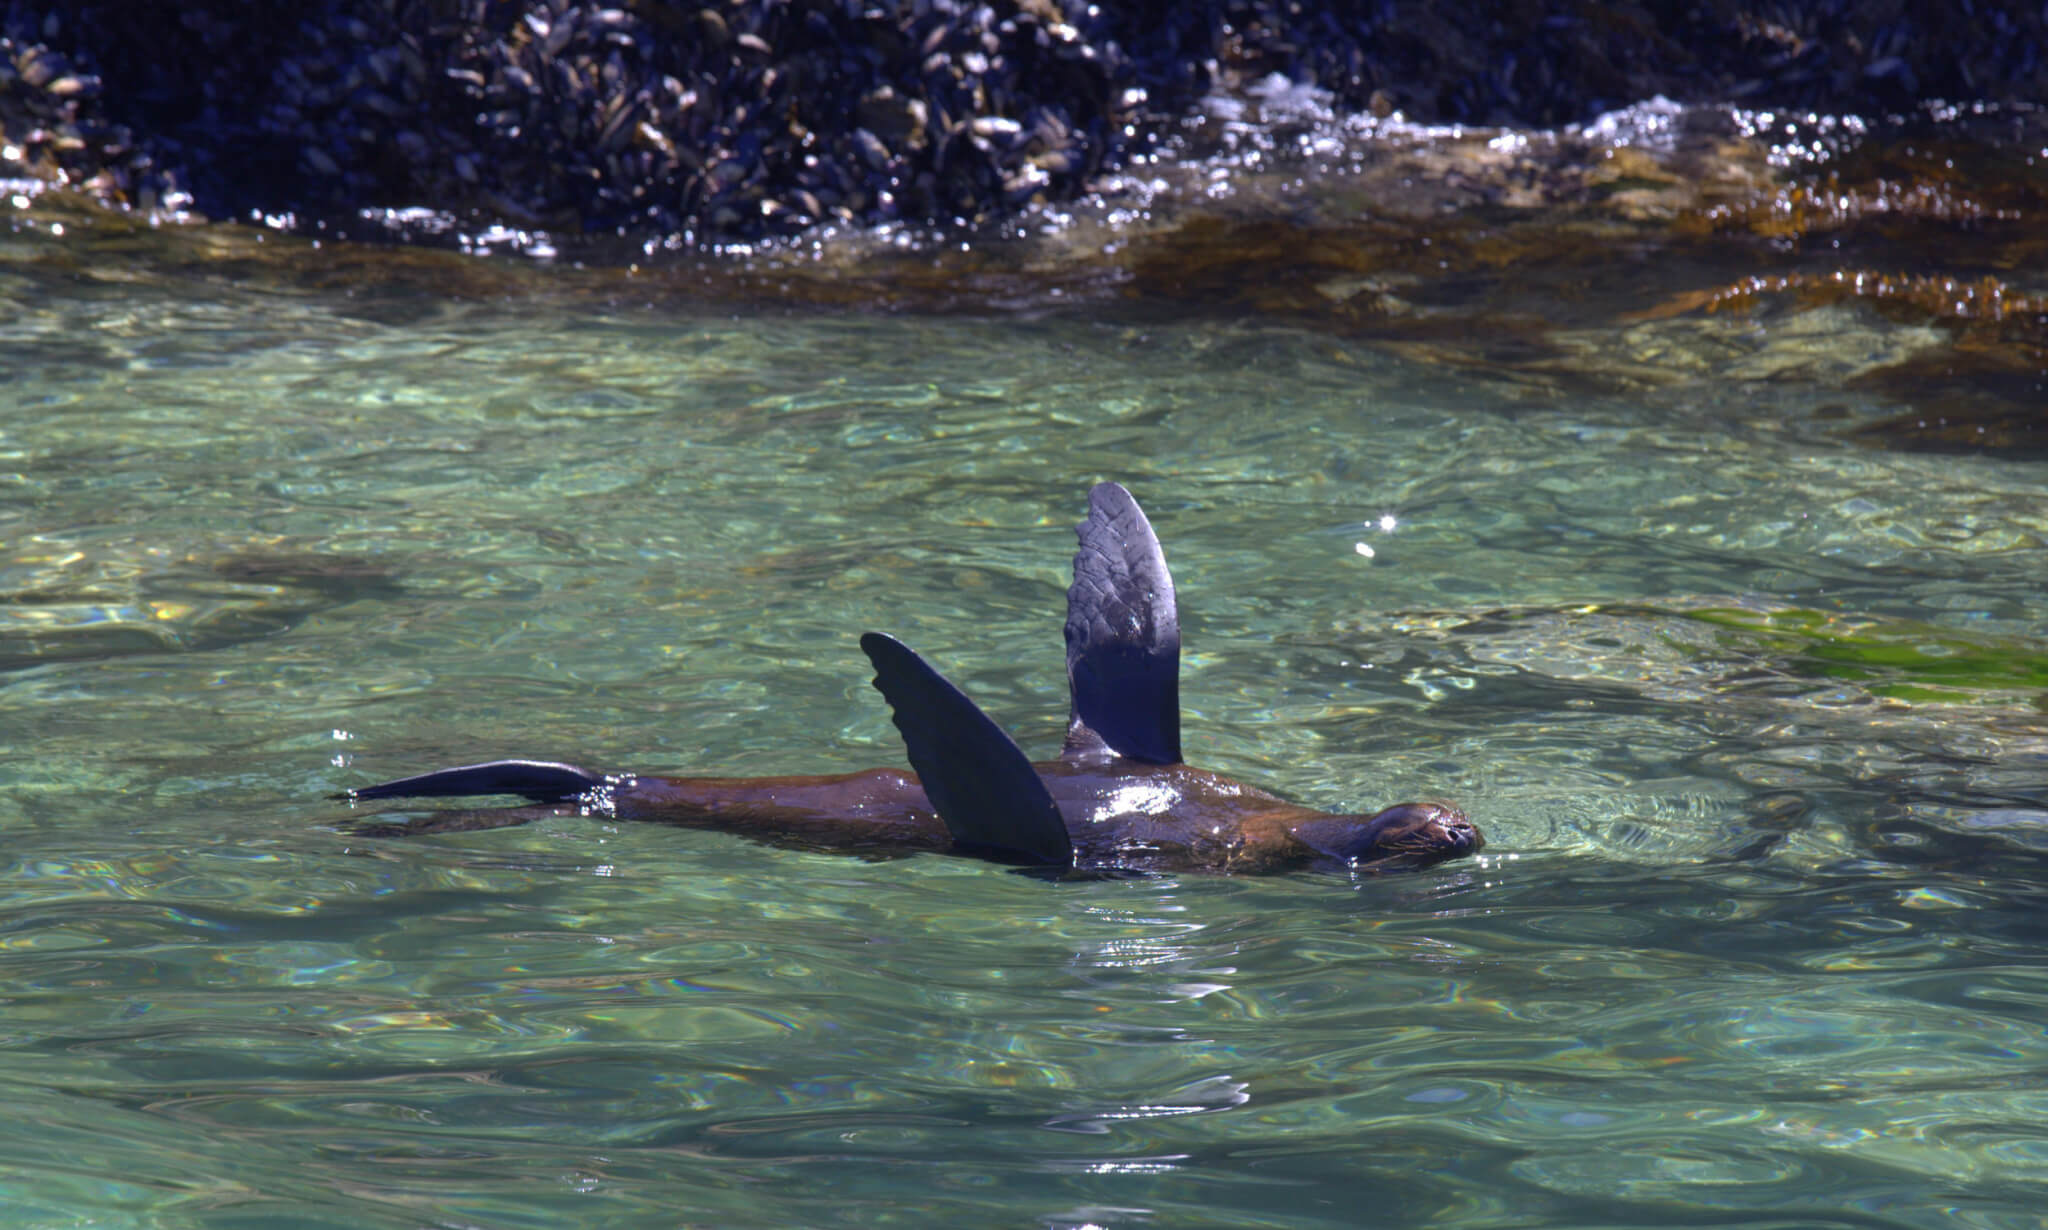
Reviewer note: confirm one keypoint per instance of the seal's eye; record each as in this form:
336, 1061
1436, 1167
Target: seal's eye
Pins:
1406, 834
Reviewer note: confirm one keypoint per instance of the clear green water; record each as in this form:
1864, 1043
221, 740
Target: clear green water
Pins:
1750, 715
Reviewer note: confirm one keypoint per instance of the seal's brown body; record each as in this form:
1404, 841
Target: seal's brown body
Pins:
1123, 814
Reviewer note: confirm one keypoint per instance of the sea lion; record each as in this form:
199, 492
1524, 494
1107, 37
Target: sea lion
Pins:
1118, 799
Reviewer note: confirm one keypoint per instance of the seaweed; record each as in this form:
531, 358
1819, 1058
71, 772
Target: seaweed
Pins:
1898, 659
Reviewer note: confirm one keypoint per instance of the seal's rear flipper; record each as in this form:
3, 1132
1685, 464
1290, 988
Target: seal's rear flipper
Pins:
977, 778
1123, 637
539, 780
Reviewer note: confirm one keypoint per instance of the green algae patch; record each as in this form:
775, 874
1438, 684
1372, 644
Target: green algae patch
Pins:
1897, 659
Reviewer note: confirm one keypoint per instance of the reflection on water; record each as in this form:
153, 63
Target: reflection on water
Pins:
1751, 717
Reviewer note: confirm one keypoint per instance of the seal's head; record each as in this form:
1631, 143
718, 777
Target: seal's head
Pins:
1404, 836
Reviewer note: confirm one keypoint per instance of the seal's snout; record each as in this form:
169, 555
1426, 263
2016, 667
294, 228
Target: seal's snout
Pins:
1406, 835
1414, 835
1458, 834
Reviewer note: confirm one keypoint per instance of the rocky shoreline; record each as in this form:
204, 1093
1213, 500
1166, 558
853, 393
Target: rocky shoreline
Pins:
701, 123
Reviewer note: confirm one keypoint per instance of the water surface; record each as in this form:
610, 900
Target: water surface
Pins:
1751, 715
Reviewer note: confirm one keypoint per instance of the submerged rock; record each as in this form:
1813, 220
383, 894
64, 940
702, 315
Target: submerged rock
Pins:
132, 597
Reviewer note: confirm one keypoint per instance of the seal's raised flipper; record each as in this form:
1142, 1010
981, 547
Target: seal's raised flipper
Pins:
1123, 637
539, 780
977, 778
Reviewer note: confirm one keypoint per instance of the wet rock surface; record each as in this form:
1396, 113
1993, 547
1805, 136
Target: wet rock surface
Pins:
1662, 253
681, 122
701, 122
1127, 160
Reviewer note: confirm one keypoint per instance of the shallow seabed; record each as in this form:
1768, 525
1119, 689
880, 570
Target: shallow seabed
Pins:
1750, 714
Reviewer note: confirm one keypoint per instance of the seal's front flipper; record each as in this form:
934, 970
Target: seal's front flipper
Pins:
1123, 637
539, 780
977, 778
